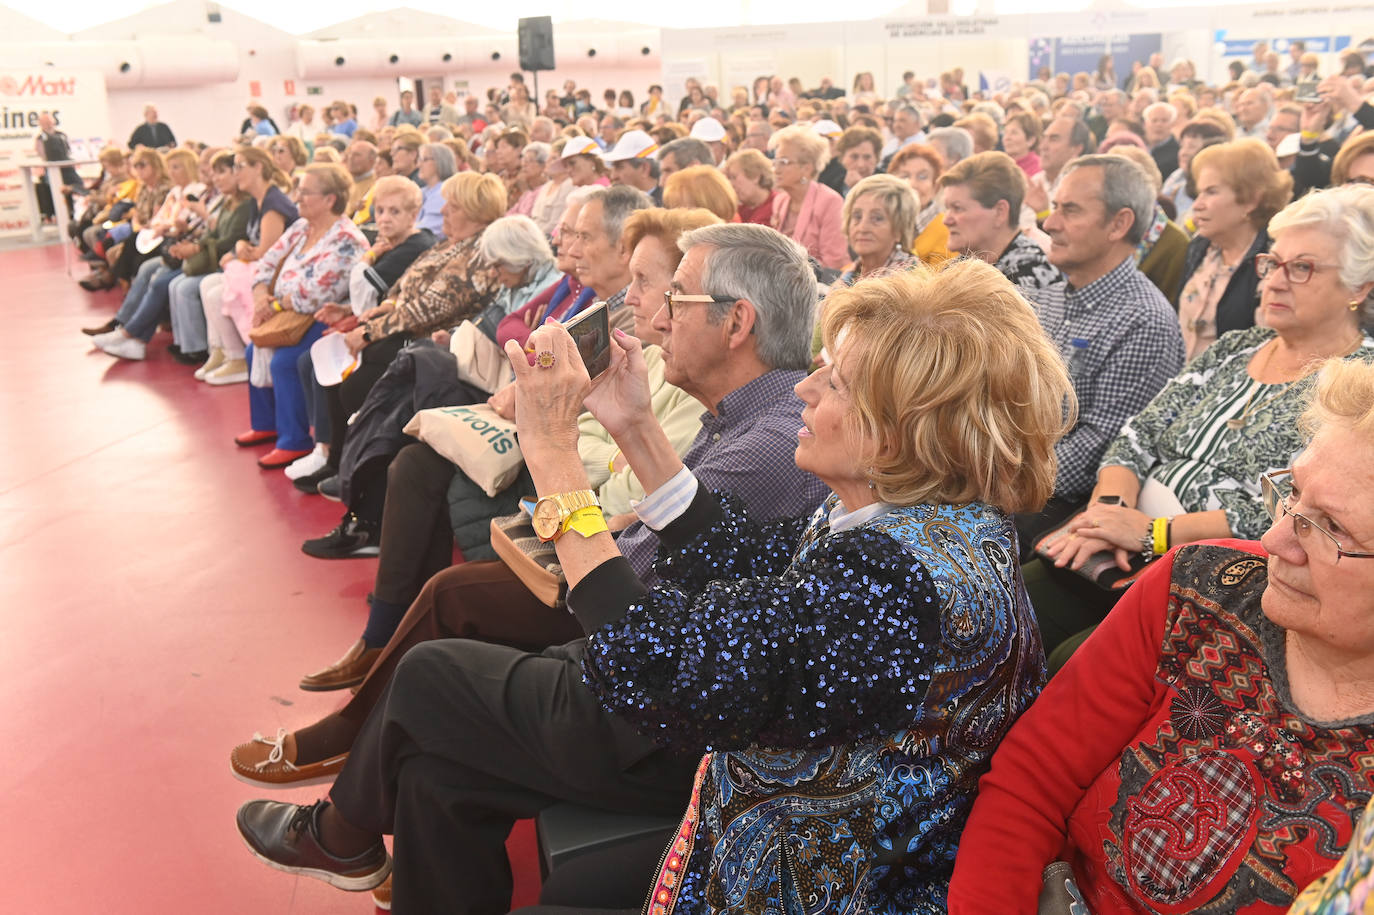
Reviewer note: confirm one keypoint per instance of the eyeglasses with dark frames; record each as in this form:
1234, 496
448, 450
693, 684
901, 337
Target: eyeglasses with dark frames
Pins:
1276, 488
1298, 270
681, 298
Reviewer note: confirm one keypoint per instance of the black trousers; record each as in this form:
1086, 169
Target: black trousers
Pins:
417, 537
470, 737
347, 398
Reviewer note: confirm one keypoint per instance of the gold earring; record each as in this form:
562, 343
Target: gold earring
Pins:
1354, 304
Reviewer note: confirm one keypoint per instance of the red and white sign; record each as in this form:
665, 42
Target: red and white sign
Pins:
75, 99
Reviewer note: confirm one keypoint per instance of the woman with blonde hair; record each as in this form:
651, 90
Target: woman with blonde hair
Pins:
134, 266
807, 210
1354, 163
150, 171
702, 186
1240, 186
880, 225
751, 176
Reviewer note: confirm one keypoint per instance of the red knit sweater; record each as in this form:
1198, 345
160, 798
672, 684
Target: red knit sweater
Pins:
1166, 761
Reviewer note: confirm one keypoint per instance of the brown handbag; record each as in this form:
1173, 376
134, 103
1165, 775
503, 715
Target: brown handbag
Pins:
286, 327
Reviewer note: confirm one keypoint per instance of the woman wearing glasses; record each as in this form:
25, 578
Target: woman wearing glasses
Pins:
1194, 456
1230, 703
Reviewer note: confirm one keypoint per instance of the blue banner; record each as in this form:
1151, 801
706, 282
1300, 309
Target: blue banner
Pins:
1081, 54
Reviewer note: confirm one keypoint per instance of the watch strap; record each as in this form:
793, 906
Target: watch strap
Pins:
574, 500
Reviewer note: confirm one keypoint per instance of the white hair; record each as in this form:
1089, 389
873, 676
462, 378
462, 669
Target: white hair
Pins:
1345, 213
515, 242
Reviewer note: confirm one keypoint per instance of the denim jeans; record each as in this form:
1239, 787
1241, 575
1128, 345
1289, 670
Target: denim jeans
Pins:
188, 318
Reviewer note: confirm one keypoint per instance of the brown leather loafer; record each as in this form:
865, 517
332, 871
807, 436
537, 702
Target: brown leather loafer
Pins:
287, 837
345, 672
381, 896
270, 762
102, 329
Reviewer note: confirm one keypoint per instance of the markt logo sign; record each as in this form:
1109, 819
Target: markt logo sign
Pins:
37, 86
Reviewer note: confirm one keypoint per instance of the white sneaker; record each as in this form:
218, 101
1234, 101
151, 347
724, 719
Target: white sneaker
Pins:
215, 361
304, 467
234, 371
100, 340
125, 347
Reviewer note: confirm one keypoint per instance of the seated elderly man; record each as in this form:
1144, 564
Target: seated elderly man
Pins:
682, 153
1115, 329
361, 162
983, 196
528, 731
1159, 121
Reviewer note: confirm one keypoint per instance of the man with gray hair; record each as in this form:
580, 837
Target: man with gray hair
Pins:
468, 736
1253, 109
599, 260
1114, 328
907, 125
1159, 136
683, 152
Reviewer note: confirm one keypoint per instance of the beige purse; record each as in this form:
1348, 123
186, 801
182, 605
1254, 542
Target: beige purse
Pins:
532, 560
481, 363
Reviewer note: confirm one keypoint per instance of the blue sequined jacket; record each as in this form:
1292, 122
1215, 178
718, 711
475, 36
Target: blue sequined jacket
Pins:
848, 689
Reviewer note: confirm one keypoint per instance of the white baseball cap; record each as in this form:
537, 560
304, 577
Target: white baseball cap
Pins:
708, 129
827, 128
633, 144
580, 146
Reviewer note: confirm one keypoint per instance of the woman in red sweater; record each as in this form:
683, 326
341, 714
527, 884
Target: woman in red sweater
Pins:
1211, 746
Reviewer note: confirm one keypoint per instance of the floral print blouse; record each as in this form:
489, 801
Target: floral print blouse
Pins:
314, 277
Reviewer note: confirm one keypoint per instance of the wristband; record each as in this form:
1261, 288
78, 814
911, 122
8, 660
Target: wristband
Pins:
276, 306
1042, 215
1159, 532
610, 465
1310, 135
586, 521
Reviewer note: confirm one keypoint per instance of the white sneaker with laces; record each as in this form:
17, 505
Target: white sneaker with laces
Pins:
125, 347
304, 467
215, 361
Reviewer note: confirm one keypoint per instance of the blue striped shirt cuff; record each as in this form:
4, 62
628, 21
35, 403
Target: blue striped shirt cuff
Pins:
666, 504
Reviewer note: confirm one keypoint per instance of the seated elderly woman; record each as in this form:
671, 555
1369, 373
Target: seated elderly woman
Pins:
552, 197
751, 175
1021, 139
1240, 186
921, 166
307, 268
880, 224
859, 150
1354, 163
399, 242
1196, 134
533, 160
436, 165
702, 186
1228, 699
1187, 467
290, 156
904, 646
806, 210
154, 186
216, 225
448, 605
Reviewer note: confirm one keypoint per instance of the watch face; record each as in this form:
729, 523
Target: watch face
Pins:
547, 519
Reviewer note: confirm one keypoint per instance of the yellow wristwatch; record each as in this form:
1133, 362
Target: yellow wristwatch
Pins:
556, 514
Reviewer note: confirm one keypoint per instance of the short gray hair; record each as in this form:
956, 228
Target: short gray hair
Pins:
617, 203
1125, 186
438, 132
772, 273
445, 162
992, 110
515, 242
1346, 213
540, 149
952, 143
688, 151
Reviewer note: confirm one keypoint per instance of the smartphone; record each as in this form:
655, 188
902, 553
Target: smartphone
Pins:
1307, 92
591, 331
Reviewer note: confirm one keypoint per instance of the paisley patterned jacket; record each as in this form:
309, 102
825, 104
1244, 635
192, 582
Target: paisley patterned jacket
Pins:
848, 687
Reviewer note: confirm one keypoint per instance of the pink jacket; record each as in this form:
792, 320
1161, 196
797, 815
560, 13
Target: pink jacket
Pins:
820, 224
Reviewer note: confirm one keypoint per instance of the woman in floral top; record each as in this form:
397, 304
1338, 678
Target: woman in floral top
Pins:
1195, 454
307, 268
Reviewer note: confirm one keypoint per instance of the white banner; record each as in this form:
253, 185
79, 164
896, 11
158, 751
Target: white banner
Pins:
76, 100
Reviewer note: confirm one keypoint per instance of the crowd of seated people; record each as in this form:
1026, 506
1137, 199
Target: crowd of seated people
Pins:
905, 395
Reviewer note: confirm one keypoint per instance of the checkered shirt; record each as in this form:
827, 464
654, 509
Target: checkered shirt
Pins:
745, 449
1121, 341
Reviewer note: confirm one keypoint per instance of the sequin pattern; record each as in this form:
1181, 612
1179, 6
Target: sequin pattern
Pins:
849, 688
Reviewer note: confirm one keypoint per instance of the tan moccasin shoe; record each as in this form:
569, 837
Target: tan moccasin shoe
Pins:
350, 670
269, 762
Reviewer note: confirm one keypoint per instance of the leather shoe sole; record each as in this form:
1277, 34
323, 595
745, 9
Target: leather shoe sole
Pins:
286, 837
350, 670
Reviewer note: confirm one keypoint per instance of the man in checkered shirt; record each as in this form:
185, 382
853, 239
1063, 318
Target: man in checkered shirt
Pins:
1117, 332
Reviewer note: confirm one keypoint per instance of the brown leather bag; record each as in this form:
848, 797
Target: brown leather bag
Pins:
286, 327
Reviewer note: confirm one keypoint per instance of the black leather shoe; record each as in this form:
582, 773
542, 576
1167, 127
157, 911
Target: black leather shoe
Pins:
287, 837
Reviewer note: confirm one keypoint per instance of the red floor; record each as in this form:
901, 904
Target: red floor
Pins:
155, 609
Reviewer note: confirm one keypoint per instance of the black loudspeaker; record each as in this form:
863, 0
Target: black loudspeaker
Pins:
536, 43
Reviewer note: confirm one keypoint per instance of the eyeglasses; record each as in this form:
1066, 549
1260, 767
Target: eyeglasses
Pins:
1277, 487
681, 298
1298, 271
782, 160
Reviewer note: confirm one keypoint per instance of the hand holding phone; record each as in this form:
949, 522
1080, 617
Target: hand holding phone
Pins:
591, 331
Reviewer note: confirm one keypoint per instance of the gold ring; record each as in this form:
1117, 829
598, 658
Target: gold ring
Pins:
544, 359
